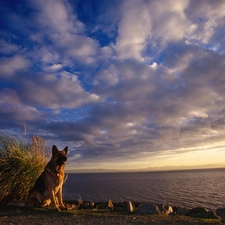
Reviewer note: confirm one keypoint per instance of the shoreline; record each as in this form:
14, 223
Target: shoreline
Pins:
136, 202
143, 208
147, 208
14, 215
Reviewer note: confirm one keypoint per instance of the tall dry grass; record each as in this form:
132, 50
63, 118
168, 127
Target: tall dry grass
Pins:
21, 162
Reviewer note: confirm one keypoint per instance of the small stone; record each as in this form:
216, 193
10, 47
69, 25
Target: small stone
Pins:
87, 205
110, 205
129, 207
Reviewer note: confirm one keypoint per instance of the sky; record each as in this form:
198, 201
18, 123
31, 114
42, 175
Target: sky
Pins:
125, 84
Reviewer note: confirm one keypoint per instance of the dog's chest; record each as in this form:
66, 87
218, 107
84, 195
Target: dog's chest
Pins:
57, 181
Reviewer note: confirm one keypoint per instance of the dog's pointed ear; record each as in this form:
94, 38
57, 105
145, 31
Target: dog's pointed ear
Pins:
54, 150
65, 149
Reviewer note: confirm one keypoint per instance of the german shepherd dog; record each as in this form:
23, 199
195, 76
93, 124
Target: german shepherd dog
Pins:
48, 187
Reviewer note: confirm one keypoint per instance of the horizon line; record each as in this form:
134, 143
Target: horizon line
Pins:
150, 169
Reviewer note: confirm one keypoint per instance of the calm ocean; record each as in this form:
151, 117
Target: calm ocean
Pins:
178, 188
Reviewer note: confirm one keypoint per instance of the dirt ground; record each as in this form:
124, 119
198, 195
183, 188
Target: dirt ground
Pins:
12, 215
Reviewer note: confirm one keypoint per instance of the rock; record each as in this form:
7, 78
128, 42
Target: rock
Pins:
181, 211
87, 205
196, 211
119, 204
79, 201
129, 207
221, 212
100, 205
165, 209
110, 205
71, 206
208, 215
201, 212
104, 205
136, 204
147, 208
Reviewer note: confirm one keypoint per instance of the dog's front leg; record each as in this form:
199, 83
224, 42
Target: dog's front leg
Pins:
59, 195
53, 200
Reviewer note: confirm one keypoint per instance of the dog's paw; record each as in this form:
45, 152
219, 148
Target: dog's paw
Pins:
57, 209
63, 208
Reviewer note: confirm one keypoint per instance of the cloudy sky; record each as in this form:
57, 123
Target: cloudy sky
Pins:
126, 84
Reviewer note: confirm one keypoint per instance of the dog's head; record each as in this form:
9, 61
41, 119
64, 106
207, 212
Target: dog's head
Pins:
59, 157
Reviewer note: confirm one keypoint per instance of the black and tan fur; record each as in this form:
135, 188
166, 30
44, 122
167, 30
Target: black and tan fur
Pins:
48, 187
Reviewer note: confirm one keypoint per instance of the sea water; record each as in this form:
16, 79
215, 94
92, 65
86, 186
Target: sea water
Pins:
191, 188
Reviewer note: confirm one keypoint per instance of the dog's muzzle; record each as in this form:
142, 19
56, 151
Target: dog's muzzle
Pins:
61, 159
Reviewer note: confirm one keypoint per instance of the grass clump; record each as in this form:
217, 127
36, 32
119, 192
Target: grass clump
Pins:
21, 162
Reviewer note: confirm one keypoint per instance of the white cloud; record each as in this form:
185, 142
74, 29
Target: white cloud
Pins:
201, 115
81, 48
8, 48
134, 28
27, 113
152, 23
208, 17
46, 55
11, 65
60, 25
8, 100
154, 65
106, 53
54, 15
54, 92
55, 67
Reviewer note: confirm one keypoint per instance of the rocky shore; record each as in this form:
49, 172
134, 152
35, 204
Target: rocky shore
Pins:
110, 213
147, 208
